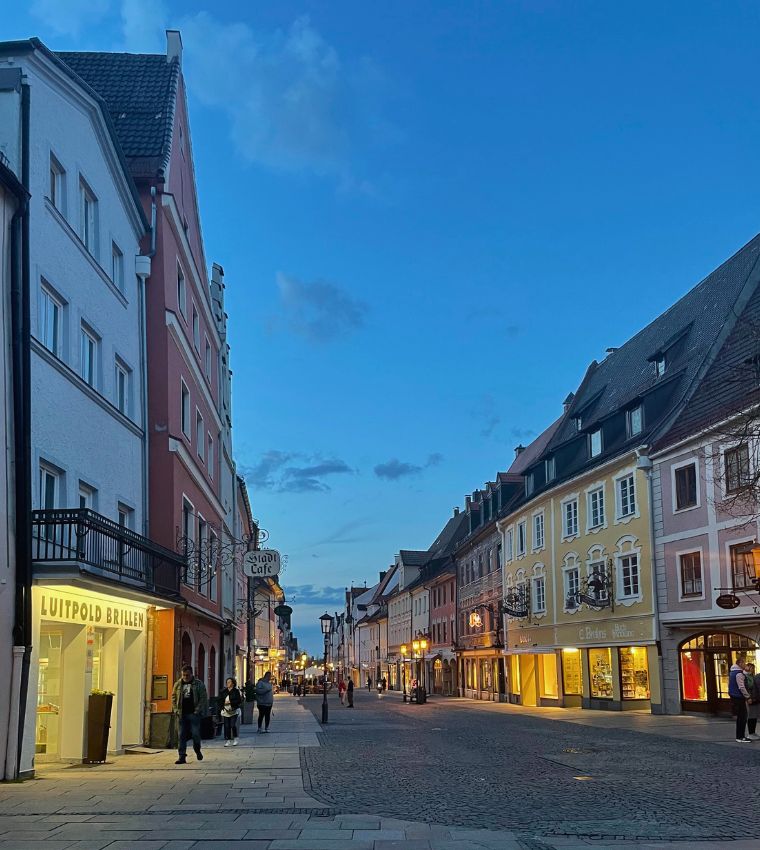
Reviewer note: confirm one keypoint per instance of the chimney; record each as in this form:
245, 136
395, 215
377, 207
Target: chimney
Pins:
456, 511
383, 574
174, 46
467, 502
519, 450
567, 402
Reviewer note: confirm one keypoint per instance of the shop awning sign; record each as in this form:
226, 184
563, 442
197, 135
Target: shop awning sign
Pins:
263, 563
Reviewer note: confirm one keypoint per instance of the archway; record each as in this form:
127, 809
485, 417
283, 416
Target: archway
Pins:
202, 672
186, 649
212, 672
704, 661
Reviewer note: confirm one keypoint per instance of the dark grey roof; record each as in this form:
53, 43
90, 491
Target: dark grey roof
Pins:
628, 372
413, 557
533, 451
140, 91
450, 535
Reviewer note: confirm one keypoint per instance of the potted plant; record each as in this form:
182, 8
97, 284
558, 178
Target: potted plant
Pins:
249, 692
98, 726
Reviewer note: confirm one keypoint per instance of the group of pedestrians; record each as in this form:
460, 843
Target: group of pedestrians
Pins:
346, 692
190, 704
744, 691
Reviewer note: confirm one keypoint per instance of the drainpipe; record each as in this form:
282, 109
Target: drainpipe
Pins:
644, 462
20, 310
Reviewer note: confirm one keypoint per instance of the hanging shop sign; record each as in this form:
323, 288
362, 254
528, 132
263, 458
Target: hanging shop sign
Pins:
517, 603
263, 563
728, 601
476, 621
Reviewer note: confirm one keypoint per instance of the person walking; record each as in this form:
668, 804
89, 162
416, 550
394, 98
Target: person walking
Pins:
231, 700
189, 703
752, 684
385, 684
342, 691
737, 691
264, 700
369, 683
350, 693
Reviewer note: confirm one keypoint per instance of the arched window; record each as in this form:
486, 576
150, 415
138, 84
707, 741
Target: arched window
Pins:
201, 671
212, 671
187, 649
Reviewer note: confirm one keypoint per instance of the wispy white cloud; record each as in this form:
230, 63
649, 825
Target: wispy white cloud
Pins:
143, 23
72, 17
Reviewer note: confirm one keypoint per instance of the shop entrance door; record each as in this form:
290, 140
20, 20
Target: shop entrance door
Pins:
49, 693
705, 665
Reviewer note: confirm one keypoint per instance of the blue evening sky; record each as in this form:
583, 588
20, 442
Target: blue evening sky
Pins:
432, 217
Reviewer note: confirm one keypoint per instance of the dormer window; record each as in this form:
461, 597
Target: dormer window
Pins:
578, 423
635, 421
551, 469
530, 484
595, 442
659, 365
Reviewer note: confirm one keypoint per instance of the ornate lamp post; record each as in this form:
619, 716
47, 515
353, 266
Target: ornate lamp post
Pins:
403, 669
326, 622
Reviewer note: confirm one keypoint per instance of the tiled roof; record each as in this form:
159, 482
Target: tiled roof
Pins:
533, 451
140, 91
452, 532
413, 557
698, 317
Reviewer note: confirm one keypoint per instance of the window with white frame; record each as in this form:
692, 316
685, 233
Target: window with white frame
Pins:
596, 508
117, 266
196, 330
200, 435
538, 531
690, 564
572, 585
635, 420
626, 495
570, 518
50, 487
628, 568
181, 291
88, 358
659, 366
595, 442
207, 360
88, 217
185, 408
538, 595
685, 486
126, 516
737, 469
551, 469
210, 455
51, 321
213, 560
521, 535
200, 572
510, 538
596, 572
121, 387
86, 496
57, 188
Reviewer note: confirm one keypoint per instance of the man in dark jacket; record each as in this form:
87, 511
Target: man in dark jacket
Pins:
189, 702
265, 701
350, 693
740, 696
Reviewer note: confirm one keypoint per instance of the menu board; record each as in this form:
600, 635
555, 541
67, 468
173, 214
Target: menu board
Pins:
571, 671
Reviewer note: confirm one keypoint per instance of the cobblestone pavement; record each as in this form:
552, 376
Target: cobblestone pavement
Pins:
467, 764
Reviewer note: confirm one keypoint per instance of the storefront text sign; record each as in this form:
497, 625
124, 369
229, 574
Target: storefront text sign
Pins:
73, 609
263, 563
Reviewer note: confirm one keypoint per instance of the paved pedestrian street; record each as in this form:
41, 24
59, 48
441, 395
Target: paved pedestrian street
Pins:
449, 775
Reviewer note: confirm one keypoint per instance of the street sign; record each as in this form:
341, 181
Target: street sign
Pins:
263, 563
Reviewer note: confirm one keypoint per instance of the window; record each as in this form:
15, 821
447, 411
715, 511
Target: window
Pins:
570, 521
50, 481
596, 508
207, 361
181, 292
88, 217
117, 266
121, 387
213, 556
57, 184
185, 409
51, 315
538, 598
629, 576
626, 489
685, 486
691, 574
595, 442
736, 462
126, 516
202, 554
499, 564
521, 538
538, 531
578, 423
88, 356
530, 485
600, 673
86, 496
200, 435
196, 330
635, 421
210, 456
659, 366
510, 536
572, 587
597, 576
742, 566
551, 469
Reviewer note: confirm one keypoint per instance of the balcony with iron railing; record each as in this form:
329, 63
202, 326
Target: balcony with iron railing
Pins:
99, 547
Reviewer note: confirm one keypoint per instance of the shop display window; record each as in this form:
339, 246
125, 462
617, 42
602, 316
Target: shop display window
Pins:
693, 675
549, 685
485, 674
600, 672
49, 694
634, 672
571, 671
514, 669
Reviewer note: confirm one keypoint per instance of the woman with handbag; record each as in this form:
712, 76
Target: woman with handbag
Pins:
231, 700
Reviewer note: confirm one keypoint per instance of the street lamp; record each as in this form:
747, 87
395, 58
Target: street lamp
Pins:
326, 622
422, 690
403, 669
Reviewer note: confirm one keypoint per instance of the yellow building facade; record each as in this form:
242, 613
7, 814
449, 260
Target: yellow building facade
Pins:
580, 622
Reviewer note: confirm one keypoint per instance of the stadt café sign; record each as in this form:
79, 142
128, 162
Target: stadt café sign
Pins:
77, 609
262, 563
